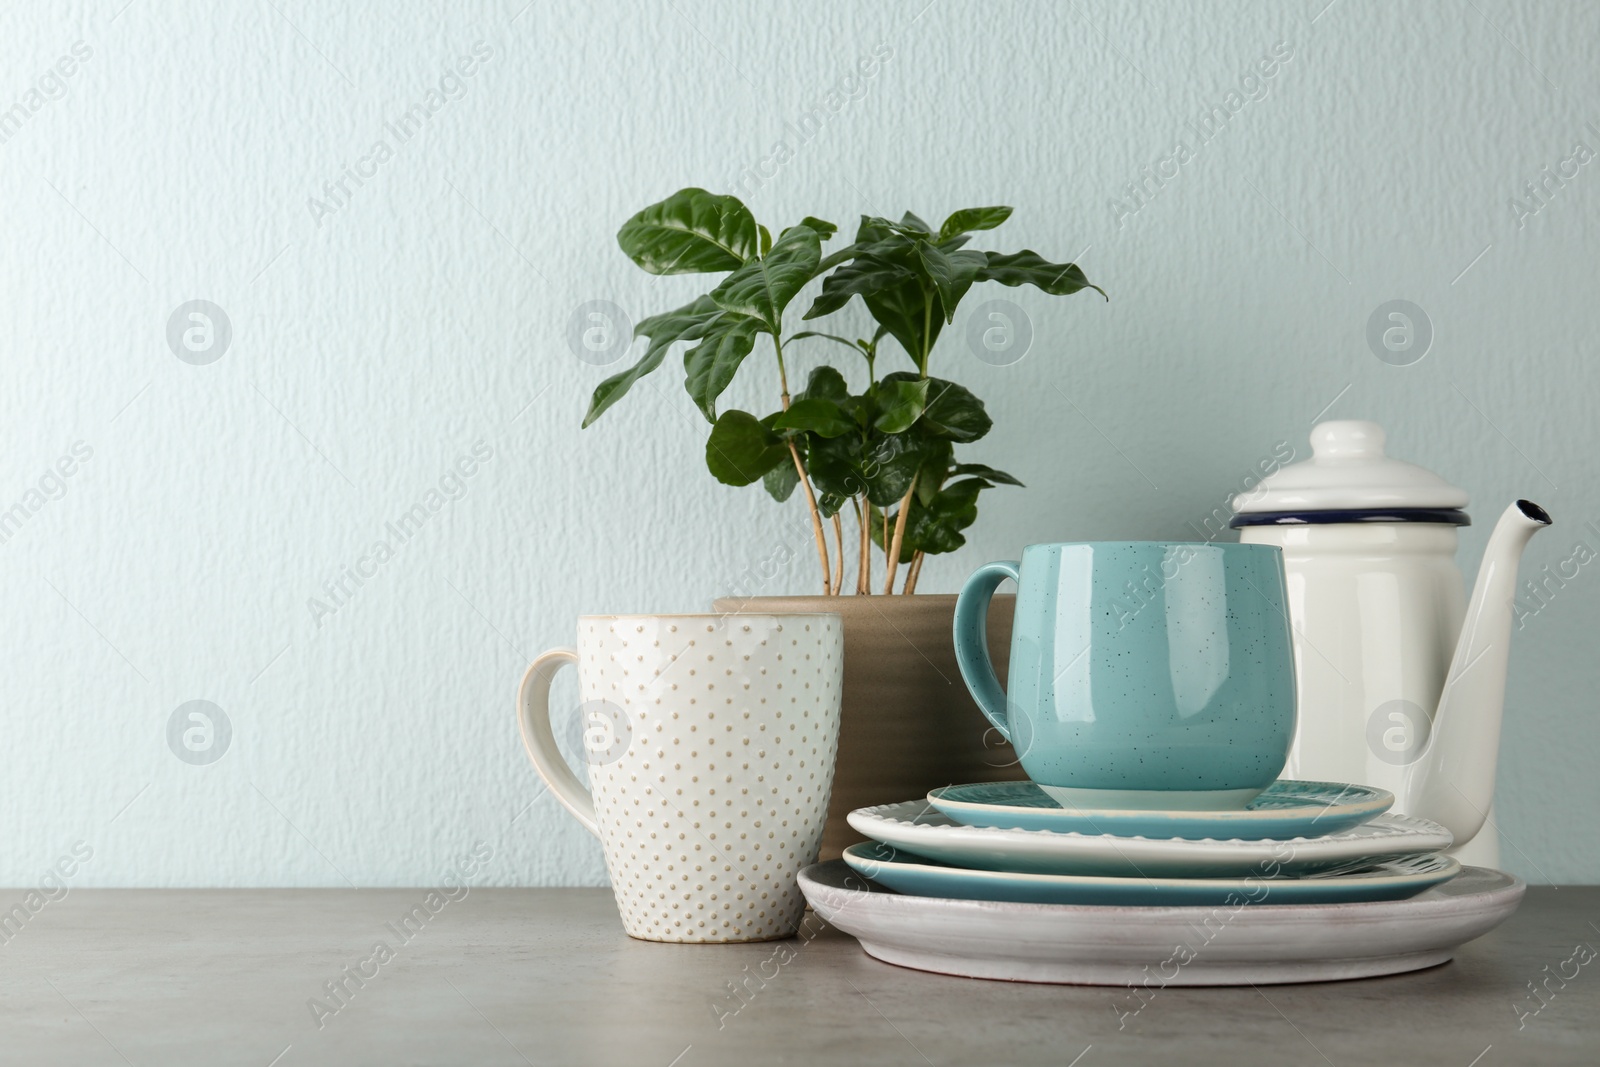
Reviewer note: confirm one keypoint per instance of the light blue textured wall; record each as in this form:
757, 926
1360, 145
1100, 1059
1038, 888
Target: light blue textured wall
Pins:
375, 342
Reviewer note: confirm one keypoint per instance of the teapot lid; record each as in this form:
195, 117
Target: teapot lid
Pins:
1348, 475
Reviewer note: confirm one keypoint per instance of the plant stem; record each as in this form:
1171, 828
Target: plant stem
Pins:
816, 520
912, 572
893, 550
805, 483
783, 375
886, 540
838, 543
864, 567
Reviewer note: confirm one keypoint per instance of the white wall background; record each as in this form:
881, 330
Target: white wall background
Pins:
374, 346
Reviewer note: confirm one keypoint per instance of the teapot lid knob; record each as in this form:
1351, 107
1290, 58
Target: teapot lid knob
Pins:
1347, 439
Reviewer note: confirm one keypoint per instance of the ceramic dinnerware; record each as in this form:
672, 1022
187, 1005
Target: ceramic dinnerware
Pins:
917, 828
1151, 948
1143, 674
904, 872
1284, 809
709, 742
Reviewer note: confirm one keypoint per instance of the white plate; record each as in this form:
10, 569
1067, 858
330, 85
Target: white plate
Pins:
1162, 946
915, 827
1394, 879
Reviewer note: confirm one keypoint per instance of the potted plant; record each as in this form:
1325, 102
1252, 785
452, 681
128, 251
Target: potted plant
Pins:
885, 454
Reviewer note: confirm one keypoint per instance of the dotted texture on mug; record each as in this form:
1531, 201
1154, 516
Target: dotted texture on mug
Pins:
721, 796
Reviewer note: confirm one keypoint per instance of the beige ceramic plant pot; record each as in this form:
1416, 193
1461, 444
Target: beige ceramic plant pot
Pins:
908, 724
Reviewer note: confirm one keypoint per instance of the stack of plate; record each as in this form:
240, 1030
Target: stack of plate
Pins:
1047, 877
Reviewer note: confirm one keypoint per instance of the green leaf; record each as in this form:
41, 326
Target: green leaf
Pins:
912, 226
936, 528
973, 218
780, 481
815, 415
863, 275
887, 466
1029, 268
830, 504
854, 346
766, 238
835, 465
824, 229
686, 323
872, 228
978, 470
881, 468
902, 310
827, 383
711, 364
936, 455
934, 525
964, 491
691, 232
900, 404
927, 529
951, 274
886, 274
870, 232
952, 411
741, 450
895, 248
763, 287
835, 258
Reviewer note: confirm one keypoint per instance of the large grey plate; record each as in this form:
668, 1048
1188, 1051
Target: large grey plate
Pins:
1153, 947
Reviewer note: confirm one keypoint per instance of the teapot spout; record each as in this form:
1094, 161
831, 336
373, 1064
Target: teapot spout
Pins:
1453, 780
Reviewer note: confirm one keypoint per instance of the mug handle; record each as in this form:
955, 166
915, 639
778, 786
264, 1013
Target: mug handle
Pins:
972, 639
533, 717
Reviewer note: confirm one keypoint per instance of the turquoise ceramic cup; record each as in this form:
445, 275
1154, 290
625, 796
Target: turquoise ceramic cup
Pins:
1144, 674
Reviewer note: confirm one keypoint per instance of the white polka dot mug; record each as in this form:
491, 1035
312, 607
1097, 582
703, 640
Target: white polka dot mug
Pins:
710, 743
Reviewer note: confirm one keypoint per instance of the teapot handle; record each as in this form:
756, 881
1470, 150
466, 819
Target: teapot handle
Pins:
972, 640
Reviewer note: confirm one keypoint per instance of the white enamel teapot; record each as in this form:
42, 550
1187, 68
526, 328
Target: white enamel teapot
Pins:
1401, 681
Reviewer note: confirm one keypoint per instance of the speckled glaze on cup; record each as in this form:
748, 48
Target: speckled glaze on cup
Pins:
710, 743
1144, 674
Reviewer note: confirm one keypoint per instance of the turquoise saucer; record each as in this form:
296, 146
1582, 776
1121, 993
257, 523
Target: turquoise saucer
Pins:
905, 873
1284, 809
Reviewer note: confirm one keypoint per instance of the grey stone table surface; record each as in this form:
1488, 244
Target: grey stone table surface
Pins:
546, 976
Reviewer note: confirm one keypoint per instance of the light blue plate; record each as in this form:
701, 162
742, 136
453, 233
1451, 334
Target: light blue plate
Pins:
905, 873
1284, 809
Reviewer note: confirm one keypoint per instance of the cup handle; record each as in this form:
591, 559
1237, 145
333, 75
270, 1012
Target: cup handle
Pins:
972, 640
533, 716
